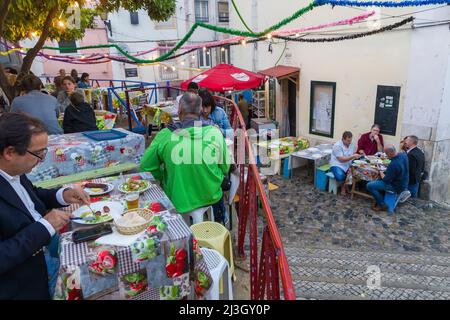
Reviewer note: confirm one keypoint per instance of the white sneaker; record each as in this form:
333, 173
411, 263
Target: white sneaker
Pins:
405, 195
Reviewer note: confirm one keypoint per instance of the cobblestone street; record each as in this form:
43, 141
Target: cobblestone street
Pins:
330, 241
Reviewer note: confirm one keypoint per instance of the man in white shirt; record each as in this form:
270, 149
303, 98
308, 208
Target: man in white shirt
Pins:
28, 218
344, 152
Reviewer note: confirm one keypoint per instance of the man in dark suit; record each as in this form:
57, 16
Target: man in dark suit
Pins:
416, 160
28, 219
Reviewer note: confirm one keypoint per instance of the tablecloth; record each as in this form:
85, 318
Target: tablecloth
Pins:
172, 268
73, 153
368, 169
284, 146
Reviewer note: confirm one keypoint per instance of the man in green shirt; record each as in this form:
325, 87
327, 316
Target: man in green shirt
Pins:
243, 107
190, 158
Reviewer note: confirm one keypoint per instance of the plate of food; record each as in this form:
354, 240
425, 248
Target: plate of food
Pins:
132, 186
98, 189
103, 211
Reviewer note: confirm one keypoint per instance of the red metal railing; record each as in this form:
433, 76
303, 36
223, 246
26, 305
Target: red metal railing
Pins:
273, 265
264, 279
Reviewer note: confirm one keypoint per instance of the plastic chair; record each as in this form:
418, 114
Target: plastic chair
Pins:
218, 267
198, 214
332, 183
213, 235
392, 199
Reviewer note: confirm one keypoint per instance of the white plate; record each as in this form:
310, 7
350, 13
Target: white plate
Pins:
116, 210
120, 188
92, 193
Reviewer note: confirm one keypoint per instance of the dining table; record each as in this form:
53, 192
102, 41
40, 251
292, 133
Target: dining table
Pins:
75, 153
162, 262
367, 169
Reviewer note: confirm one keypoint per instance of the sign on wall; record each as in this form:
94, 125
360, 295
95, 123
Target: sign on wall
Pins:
386, 109
321, 116
131, 72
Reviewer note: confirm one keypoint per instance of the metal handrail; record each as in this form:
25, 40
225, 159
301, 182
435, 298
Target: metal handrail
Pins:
288, 287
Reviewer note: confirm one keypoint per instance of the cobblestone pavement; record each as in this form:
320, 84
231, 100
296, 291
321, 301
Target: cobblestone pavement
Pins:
330, 241
307, 216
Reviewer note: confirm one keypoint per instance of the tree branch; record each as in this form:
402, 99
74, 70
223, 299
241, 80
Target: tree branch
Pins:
31, 54
4, 8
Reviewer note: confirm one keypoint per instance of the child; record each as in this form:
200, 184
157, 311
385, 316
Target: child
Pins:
78, 116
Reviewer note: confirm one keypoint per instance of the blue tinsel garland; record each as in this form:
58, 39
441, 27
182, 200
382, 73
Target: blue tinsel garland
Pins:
410, 3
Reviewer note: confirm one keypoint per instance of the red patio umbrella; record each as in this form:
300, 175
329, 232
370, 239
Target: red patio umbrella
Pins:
225, 77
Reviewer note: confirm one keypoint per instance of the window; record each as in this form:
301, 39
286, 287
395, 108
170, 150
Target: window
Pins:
167, 71
204, 58
321, 115
201, 11
224, 54
224, 15
67, 44
134, 18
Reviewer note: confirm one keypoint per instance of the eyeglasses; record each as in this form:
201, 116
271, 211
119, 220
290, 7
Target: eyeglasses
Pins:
40, 155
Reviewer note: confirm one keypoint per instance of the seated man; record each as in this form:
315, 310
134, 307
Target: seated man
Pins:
416, 162
371, 142
28, 220
190, 158
394, 179
341, 158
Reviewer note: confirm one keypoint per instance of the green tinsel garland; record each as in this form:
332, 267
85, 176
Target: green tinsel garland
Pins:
235, 32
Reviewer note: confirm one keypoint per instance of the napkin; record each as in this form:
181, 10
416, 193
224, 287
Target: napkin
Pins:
117, 239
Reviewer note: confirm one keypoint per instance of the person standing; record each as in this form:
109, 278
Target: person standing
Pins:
395, 178
341, 158
371, 142
416, 162
28, 215
38, 104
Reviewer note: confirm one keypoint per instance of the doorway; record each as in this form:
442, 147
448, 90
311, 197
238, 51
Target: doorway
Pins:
292, 107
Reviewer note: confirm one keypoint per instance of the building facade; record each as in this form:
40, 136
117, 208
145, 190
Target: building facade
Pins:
137, 34
399, 78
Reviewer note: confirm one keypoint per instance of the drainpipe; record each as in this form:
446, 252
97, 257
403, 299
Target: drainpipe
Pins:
255, 28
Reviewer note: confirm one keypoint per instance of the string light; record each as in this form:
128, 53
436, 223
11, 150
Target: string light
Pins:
269, 36
34, 33
223, 49
243, 42
173, 68
193, 56
61, 23
204, 48
182, 63
297, 35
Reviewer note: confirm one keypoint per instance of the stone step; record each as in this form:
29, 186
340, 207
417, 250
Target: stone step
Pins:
346, 254
345, 291
356, 277
298, 262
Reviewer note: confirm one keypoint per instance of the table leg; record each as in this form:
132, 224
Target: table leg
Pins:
353, 187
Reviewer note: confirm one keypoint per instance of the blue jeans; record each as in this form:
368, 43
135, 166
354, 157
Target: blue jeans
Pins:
374, 187
339, 174
414, 189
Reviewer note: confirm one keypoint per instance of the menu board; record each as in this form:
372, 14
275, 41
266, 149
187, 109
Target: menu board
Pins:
386, 109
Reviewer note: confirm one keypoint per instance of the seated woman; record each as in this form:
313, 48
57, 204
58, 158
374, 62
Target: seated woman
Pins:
69, 87
341, 158
79, 116
84, 81
213, 114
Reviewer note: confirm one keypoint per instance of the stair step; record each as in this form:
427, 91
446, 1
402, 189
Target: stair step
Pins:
391, 280
345, 254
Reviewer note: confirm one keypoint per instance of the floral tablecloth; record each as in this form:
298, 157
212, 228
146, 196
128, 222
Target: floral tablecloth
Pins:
284, 146
104, 120
368, 169
74, 153
162, 263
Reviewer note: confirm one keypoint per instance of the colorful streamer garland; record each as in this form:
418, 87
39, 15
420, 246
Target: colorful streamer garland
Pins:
411, 3
352, 36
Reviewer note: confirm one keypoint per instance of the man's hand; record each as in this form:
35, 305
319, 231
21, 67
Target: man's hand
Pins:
376, 138
356, 156
382, 175
76, 195
57, 218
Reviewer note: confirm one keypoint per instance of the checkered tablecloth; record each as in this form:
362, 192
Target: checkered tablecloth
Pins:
76, 256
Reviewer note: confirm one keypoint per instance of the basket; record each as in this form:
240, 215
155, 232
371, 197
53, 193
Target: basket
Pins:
144, 213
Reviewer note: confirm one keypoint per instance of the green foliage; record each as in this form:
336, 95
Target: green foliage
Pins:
26, 18
158, 10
